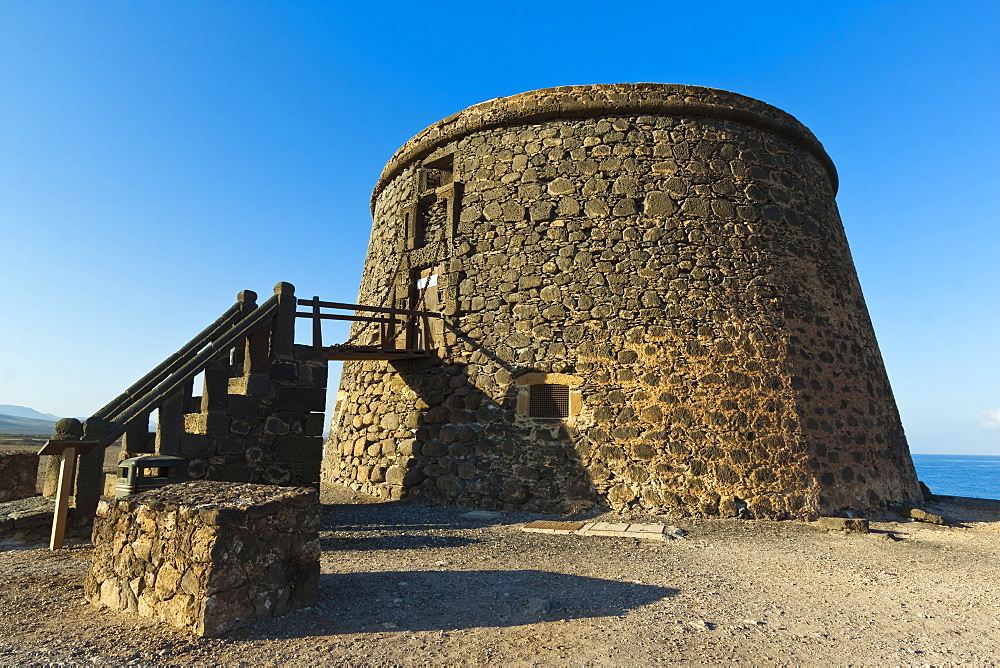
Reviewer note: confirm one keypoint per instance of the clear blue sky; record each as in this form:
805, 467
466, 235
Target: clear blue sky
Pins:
158, 157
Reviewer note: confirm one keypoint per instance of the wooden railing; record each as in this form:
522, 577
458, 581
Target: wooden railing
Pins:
171, 381
391, 322
244, 304
239, 342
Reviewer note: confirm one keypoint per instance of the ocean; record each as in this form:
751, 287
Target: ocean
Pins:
960, 475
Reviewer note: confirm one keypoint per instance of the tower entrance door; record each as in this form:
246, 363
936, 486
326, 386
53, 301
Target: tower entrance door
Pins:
423, 297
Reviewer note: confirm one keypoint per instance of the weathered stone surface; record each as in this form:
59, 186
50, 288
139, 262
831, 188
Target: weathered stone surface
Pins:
207, 556
689, 278
924, 516
29, 518
850, 525
18, 475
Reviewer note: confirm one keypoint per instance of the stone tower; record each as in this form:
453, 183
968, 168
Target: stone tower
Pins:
649, 300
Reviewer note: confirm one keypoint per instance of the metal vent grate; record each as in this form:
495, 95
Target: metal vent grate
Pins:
548, 401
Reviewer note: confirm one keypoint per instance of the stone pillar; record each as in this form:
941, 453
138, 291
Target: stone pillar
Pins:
90, 474
67, 429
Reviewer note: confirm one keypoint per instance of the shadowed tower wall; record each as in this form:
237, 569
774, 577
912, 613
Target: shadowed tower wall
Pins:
649, 301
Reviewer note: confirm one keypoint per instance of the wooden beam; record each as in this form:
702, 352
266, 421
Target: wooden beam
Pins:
392, 354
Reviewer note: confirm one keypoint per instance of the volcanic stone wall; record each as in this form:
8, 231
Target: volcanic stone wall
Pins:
674, 258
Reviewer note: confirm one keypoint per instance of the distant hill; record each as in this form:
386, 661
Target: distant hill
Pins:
25, 412
10, 424
24, 421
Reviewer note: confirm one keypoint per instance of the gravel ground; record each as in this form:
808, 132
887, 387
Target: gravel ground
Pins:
411, 584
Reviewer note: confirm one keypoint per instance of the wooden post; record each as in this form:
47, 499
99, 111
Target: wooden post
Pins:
390, 338
67, 452
283, 328
67, 467
317, 324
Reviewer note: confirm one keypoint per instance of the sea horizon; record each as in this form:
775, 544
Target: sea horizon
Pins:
976, 476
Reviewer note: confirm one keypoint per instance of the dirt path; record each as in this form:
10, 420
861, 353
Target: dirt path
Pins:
409, 584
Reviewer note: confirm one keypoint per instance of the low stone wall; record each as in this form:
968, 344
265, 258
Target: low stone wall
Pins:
18, 474
207, 556
28, 520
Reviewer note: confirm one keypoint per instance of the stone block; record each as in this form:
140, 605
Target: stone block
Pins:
284, 370
239, 405
306, 399
849, 525
30, 518
308, 473
211, 422
196, 445
298, 449
208, 557
255, 385
924, 516
315, 424
307, 353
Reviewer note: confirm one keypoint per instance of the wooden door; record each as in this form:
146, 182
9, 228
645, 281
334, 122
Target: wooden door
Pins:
423, 297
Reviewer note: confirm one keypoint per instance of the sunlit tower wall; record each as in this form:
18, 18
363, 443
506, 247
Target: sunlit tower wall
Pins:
649, 301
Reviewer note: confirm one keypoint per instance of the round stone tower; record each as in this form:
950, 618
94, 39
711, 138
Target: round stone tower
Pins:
649, 300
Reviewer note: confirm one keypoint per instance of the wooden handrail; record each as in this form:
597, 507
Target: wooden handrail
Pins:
352, 318
361, 307
246, 302
253, 333
387, 325
195, 365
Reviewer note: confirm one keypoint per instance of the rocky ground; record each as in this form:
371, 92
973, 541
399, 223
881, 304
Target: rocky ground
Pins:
411, 584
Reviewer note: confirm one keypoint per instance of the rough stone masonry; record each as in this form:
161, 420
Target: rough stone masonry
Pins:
18, 473
207, 556
649, 301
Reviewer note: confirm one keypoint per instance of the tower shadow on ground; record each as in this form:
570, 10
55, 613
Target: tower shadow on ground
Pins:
450, 600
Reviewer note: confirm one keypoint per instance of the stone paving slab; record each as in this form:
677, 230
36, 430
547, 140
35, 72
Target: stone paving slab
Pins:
647, 531
645, 528
549, 526
606, 529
